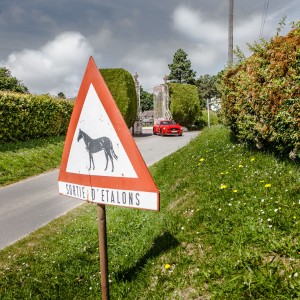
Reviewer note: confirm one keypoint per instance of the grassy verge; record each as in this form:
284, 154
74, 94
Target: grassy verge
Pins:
213, 117
228, 229
24, 159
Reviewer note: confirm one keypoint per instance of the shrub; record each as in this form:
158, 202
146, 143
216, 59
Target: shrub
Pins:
261, 96
26, 116
122, 88
185, 105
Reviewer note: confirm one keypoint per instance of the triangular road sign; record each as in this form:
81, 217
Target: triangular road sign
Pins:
101, 162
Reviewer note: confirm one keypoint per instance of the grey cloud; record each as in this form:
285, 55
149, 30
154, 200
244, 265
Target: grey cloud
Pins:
140, 36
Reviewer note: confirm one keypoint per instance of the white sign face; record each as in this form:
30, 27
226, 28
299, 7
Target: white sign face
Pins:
96, 148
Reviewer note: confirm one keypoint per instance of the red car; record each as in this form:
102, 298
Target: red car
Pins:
167, 127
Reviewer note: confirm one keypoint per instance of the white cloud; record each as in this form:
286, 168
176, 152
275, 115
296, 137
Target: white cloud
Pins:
207, 59
149, 62
57, 66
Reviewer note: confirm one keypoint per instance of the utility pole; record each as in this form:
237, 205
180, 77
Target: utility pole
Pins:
230, 34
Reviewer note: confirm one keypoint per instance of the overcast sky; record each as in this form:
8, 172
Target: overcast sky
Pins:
47, 44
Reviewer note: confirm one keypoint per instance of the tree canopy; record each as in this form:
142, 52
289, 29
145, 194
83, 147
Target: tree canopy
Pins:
209, 87
146, 100
180, 69
61, 95
10, 83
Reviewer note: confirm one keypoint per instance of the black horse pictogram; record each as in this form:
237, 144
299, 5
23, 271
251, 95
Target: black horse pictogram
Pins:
96, 145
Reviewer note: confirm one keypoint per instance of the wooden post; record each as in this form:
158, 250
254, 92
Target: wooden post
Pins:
230, 33
103, 251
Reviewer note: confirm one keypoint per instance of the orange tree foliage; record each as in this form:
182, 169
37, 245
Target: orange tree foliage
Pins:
261, 96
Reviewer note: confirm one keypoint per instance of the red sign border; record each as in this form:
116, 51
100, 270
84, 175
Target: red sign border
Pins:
144, 181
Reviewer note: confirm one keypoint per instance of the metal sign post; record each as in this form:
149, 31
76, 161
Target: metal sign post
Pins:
208, 108
103, 251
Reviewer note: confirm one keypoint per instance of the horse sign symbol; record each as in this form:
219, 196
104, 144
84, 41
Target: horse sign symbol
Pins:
96, 145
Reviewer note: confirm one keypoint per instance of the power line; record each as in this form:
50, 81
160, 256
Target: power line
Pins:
263, 20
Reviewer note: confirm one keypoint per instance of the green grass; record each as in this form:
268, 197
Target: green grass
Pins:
24, 159
213, 117
228, 229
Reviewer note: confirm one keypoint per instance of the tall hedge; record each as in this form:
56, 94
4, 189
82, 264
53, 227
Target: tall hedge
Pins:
261, 97
26, 116
185, 105
122, 87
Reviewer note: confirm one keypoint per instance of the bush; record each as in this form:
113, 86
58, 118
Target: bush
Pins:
261, 96
122, 88
26, 116
184, 106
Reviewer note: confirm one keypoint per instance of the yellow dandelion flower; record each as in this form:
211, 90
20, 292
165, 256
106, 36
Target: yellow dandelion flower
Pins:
241, 166
201, 159
267, 185
223, 186
167, 266
235, 191
252, 159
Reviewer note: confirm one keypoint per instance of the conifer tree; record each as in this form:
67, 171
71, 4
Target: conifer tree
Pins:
180, 69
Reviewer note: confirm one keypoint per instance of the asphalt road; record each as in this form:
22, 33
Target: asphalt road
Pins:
32, 203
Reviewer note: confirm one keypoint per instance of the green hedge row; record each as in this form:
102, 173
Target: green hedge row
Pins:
26, 116
184, 104
122, 87
261, 97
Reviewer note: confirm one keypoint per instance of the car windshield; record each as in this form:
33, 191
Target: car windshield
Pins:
168, 123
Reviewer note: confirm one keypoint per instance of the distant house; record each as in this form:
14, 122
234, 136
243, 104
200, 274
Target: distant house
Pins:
147, 117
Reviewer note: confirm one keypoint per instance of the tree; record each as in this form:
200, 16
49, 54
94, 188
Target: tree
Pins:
180, 69
146, 100
209, 87
9, 83
61, 95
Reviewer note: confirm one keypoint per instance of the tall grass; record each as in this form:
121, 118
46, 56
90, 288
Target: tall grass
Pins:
228, 229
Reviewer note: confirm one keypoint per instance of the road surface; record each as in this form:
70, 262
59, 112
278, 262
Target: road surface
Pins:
32, 203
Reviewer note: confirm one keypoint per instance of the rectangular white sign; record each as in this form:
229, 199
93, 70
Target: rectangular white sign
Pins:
125, 198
